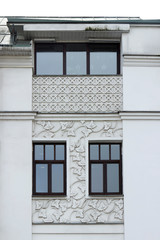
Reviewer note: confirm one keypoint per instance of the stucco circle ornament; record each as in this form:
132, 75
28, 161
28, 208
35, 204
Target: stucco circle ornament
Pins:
77, 208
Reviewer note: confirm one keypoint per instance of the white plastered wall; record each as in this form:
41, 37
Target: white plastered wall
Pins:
141, 165
141, 69
15, 148
141, 128
15, 83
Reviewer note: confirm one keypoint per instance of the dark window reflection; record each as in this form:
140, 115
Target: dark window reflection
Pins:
57, 178
97, 178
103, 63
60, 152
94, 152
113, 178
41, 178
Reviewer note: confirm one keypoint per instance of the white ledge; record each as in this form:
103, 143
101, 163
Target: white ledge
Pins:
132, 60
17, 115
15, 51
140, 115
78, 116
15, 61
113, 228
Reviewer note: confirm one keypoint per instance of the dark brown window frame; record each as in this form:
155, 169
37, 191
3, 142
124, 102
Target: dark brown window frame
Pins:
88, 48
105, 162
49, 164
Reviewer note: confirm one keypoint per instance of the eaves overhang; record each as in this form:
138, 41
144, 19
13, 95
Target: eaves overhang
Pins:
73, 29
70, 29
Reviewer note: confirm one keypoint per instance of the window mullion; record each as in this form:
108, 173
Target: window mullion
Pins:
88, 59
49, 178
64, 59
104, 178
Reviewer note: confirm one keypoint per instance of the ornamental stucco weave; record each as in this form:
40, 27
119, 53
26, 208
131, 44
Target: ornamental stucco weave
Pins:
77, 206
77, 94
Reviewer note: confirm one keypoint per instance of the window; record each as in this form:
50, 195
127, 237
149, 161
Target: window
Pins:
77, 59
49, 169
105, 169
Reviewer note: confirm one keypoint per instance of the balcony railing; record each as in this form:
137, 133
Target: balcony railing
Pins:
77, 94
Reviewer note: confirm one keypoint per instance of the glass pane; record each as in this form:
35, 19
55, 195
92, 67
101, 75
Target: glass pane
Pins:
76, 63
103, 63
104, 152
60, 152
112, 178
57, 178
41, 178
115, 152
38, 152
49, 63
49, 152
94, 152
96, 178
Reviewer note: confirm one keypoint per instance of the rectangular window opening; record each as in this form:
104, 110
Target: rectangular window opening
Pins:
77, 59
105, 169
49, 169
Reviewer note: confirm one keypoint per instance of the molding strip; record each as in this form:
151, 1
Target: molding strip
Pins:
141, 60
139, 115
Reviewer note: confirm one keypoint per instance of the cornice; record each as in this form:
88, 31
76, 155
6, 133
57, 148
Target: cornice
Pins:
77, 116
133, 60
17, 115
15, 51
140, 115
15, 61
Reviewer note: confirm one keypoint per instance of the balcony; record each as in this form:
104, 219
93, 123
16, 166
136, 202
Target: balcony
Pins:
77, 94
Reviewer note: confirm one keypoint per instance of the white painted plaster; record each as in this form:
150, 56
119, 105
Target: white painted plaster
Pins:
141, 88
141, 177
15, 89
15, 179
142, 40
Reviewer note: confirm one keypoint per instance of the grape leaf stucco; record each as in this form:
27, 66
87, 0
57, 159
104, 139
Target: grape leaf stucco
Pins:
77, 206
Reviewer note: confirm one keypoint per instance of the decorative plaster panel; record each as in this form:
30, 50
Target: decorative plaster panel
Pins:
77, 207
77, 94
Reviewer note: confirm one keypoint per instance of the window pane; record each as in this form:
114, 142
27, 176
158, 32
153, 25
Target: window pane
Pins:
96, 178
38, 152
41, 178
57, 178
76, 63
115, 152
60, 152
103, 63
104, 152
94, 152
112, 178
49, 63
49, 152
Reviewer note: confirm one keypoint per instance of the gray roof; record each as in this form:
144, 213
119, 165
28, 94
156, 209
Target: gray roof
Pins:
127, 20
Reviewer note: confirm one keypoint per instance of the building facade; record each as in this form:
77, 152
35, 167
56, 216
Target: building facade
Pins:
79, 124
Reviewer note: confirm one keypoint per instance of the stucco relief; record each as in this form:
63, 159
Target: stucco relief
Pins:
76, 208
77, 94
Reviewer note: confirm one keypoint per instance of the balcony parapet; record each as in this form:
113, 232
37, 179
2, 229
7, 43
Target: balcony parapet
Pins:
77, 94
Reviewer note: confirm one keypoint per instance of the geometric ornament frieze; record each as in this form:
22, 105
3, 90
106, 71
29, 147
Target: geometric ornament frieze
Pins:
77, 94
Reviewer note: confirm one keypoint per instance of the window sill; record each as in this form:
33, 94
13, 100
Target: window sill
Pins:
104, 196
87, 75
54, 197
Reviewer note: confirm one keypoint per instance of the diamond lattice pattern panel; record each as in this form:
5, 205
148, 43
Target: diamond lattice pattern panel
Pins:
77, 94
